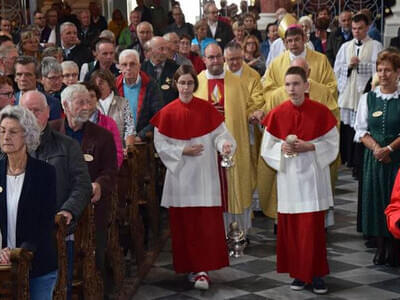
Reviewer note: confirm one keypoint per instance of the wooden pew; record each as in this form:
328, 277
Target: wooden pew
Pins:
60, 291
114, 253
14, 278
87, 283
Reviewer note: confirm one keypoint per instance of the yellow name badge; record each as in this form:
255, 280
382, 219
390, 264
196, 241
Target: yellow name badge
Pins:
377, 114
165, 87
88, 157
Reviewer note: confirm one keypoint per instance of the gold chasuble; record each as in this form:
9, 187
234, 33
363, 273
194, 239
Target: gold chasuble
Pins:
237, 104
266, 176
320, 71
252, 80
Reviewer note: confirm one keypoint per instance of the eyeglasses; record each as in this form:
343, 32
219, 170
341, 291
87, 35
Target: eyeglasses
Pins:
54, 77
69, 75
212, 57
188, 83
9, 95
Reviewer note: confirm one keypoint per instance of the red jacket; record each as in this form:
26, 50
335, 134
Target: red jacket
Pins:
119, 83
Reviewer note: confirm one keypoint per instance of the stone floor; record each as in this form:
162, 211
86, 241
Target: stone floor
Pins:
253, 276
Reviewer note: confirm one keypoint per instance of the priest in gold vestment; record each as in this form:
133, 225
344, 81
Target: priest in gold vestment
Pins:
234, 62
320, 68
231, 97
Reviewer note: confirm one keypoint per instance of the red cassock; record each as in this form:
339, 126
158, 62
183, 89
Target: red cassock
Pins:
301, 237
392, 211
197, 232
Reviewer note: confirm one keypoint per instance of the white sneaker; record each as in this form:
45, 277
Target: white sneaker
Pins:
202, 281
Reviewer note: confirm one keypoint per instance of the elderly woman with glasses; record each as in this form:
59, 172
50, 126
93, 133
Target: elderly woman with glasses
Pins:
27, 200
187, 135
70, 72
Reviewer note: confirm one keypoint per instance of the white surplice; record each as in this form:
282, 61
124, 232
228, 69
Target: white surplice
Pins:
303, 182
192, 181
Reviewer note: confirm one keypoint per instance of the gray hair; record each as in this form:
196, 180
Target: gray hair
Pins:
5, 50
28, 123
68, 93
128, 52
66, 24
145, 23
50, 64
51, 51
107, 34
69, 64
168, 36
231, 46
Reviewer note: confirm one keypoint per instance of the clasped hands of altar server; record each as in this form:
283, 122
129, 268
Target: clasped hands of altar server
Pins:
197, 149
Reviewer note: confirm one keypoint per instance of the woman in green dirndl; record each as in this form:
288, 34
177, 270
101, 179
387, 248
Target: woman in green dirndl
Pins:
377, 126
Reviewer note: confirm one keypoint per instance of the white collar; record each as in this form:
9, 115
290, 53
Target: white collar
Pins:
366, 39
137, 81
108, 98
238, 72
210, 76
301, 55
379, 94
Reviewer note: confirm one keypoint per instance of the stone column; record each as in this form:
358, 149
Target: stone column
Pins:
392, 24
268, 9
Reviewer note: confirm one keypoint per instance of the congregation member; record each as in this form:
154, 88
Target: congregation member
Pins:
141, 91
173, 44
218, 30
144, 33
321, 70
73, 49
73, 181
201, 40
104, 54
377, 127
97, 117
52, 79
252, 54
231, 98
161, 68
272, 35
96, 19
87, 33
114, 106
6, 92
188, 133
355, 66
70, 72
128, 35
339, 36
185, 50
99, 152
29, 44
8, 55
55, 52
27, 73
250, 26
180, 26
291, 147
239, 32
28, 200
39, 20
